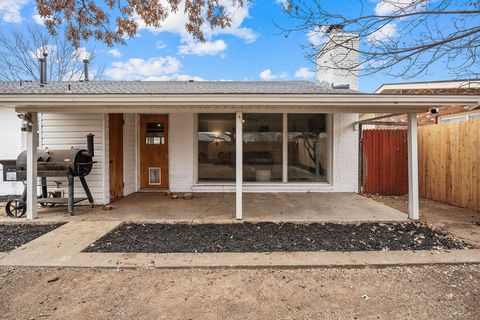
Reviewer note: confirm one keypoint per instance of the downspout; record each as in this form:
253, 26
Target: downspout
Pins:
360, 159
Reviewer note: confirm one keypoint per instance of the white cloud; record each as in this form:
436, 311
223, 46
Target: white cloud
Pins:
386, 32
317, 36
38, 19
115, 53
140, 69
201, 49
304, 73
160, 45
387, 7
175, 77
176, 21
81, 53
268, 75
10, 10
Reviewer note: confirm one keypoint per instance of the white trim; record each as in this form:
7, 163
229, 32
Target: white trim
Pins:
137, 152
451, 84
106, 159
413, 195
145, 103
195, 148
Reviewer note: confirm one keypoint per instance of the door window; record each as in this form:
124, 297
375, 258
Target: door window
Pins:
155, 133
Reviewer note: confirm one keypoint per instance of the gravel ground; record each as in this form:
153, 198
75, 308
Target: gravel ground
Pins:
430, 292
272, 237
14, 235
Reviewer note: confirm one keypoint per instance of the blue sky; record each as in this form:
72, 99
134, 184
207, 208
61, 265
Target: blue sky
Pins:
252, 49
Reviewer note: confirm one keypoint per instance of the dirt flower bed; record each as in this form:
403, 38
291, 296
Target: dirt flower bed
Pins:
15, 235
273, 237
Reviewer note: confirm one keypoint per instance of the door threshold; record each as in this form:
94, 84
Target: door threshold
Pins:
152, 190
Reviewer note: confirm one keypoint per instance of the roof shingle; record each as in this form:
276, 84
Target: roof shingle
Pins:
168, 87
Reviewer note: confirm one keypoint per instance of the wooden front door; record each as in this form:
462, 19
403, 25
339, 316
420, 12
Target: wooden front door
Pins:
115, 147
154, 151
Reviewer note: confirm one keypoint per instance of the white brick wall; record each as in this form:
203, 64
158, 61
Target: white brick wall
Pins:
345, 153
181, 151
12, 142
345, 160
330, 64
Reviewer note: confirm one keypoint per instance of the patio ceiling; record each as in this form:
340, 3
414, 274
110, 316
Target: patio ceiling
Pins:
165, 103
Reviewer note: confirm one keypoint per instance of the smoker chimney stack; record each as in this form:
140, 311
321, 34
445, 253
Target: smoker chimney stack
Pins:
85, 69
90, 146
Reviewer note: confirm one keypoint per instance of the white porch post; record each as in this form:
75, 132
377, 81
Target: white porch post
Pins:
285, 149
413, 195
239, 164
32, 144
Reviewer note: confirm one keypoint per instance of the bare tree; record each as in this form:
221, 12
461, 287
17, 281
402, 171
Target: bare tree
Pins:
111, 21
20, 50
397, 37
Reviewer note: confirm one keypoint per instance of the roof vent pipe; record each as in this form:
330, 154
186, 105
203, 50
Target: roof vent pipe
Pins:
85, 69
41, 62
45, 58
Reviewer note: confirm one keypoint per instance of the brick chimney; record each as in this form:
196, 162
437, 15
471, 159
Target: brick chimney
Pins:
342, 52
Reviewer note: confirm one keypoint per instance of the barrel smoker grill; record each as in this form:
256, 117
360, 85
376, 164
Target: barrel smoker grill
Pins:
56, 163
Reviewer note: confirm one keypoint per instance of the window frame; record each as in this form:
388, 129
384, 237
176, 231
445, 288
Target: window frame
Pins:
284, 181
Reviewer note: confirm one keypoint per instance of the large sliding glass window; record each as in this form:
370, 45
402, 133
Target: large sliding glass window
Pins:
262, 147
307, 148
216, 147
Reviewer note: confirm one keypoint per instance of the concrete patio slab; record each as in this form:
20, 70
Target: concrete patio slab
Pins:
59, 246
220, 207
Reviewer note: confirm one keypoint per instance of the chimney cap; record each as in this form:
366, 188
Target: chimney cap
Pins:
335, 27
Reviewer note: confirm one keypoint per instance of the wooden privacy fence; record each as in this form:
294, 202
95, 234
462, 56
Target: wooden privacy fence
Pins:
384, 162
449, 163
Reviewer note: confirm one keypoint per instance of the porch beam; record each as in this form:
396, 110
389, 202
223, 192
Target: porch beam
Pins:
378, 118
413, 194
32, 145
239, 165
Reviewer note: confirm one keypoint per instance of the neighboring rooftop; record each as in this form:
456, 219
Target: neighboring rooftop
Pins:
169, 87
462, 86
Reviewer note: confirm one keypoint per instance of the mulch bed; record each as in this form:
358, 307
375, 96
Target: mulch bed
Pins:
15, 235
273, 237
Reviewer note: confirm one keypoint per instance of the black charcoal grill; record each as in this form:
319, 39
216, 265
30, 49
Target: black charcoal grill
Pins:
55, 163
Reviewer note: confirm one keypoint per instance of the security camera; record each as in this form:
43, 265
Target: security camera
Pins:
434, 110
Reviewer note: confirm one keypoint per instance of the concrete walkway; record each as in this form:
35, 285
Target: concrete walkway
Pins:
62, 248
58, 247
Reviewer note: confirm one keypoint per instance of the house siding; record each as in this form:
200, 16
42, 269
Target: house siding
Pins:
64, 131
129, 150
11, 144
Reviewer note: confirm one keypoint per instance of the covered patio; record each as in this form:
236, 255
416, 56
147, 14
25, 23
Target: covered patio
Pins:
92, 103
220, 208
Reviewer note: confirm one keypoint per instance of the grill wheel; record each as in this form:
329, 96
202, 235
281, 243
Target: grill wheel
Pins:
16, 208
